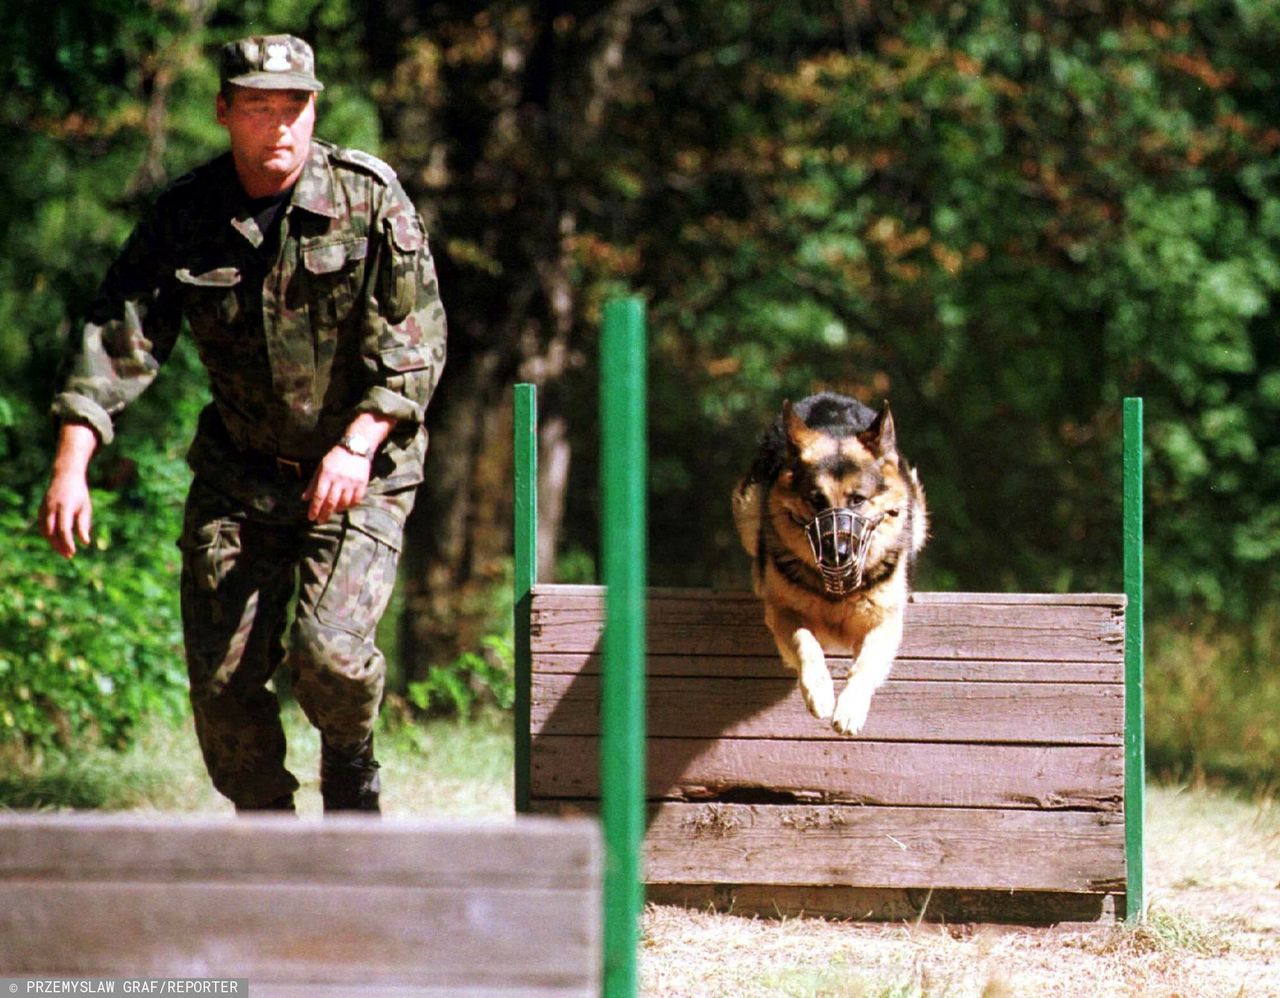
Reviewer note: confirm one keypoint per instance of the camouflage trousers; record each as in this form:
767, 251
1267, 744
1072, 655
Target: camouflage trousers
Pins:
243, 571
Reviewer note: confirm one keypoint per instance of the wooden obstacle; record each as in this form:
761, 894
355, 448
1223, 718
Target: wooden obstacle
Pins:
347, 906
988, 783
1000, 776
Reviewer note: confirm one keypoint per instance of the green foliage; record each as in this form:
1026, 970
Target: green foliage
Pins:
95, 128
1003, 217
1212, 698
471, 680
92, 645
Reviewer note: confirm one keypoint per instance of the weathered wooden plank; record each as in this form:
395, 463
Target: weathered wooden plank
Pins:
1026, 713
1042, 908
769, 666
554, 589
280, 932
341, 850
1029, 631
901, 847
466, 907
849, 771
696, 624
1114, 600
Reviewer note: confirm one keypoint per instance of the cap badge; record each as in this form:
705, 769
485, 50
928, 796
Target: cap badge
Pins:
277, 59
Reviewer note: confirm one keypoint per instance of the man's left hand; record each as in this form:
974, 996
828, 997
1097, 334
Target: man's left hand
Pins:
338, 484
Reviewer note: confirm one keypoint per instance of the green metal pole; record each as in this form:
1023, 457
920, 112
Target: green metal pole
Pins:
526, 572
622, 751
1135, 766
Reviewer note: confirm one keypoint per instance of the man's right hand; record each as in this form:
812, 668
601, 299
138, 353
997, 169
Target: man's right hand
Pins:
67, 509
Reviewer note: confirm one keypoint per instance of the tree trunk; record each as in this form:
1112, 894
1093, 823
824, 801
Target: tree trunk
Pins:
487, 116
554, 455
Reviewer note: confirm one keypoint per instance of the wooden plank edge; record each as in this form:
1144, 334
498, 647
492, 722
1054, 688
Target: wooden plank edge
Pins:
780, 771
594, 592
892, 904
702, 708
353, 934
961, 848
341, 850
906, 668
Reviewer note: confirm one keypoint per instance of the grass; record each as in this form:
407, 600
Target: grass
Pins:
1213, 882
440, 767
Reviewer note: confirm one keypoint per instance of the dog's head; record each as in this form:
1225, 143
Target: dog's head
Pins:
838, 499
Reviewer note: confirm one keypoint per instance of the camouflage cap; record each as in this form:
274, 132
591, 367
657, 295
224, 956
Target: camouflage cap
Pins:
270, 62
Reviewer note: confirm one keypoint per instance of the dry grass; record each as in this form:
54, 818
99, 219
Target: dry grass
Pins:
1214, 929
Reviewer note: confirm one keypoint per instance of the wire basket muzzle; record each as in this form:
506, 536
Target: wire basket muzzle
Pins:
839, 539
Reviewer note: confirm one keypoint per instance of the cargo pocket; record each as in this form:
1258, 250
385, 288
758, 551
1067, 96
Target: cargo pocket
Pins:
334, 273
363, 574
210, 551
210, 295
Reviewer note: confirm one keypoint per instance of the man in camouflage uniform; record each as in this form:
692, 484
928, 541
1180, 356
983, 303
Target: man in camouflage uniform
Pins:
304, 275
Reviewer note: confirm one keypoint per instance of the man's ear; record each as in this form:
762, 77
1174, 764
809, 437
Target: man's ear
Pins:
220, 109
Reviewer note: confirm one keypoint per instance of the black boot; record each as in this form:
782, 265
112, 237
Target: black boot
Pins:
282, 803
349, 778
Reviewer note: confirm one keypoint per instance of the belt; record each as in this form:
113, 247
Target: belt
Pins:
279, 465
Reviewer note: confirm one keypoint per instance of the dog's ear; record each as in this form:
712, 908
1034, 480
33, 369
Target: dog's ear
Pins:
880, 437
798, 433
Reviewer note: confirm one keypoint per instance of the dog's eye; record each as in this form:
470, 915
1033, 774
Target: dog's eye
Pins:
857, 499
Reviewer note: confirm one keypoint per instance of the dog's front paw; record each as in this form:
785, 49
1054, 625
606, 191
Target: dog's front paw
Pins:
851, 710
819, 692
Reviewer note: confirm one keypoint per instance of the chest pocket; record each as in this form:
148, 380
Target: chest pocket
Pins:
210, 296
335, 271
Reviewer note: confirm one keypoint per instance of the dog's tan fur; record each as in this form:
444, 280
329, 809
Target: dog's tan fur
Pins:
802, 616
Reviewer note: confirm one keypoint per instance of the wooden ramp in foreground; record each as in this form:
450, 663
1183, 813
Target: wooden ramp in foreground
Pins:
341, 907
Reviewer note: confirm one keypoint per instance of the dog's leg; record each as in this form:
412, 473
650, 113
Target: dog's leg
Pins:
871, 668
802, 653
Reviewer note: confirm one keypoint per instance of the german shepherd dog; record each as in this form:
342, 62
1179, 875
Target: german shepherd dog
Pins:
833, 518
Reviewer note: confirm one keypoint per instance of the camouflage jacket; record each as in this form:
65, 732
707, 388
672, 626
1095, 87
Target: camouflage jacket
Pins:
338, 314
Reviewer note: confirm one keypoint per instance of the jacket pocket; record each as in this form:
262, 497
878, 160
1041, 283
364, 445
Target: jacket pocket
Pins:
329, 258
210, 295
335, 271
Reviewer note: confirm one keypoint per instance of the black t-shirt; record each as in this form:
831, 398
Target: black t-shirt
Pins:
266, 212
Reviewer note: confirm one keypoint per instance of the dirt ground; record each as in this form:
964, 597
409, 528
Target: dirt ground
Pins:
1213, 884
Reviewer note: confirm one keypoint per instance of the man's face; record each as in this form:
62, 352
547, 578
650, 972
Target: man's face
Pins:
270, 134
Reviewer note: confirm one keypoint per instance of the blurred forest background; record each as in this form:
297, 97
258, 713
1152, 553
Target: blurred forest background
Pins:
1002, 216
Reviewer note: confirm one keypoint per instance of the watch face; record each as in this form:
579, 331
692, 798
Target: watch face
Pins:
358, 445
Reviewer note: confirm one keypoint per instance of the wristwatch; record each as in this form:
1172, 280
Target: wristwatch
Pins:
358, 445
